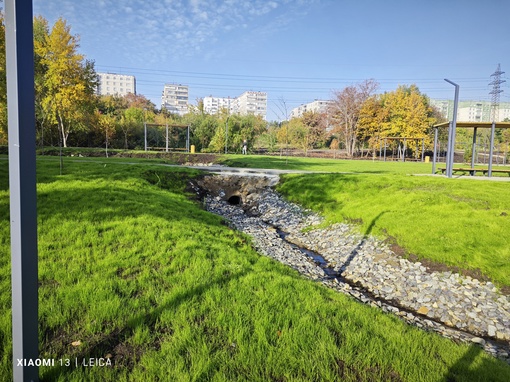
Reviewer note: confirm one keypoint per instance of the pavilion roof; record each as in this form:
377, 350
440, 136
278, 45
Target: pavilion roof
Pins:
483, 125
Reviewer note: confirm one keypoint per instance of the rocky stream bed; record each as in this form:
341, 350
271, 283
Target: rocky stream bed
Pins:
458, 307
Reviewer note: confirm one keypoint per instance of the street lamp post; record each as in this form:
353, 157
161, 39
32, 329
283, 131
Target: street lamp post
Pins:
19, 50
145, 129
451, 133
226, 134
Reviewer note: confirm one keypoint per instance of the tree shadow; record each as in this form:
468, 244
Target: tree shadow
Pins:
360, 245
115, 342
487, 369
311, 191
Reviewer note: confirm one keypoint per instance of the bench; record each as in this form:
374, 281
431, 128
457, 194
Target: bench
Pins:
472, 171
500, 171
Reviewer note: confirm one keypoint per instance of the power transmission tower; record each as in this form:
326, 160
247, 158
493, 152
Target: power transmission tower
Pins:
496, 91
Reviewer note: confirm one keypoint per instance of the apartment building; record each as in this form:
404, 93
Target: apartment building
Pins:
250, 102
175, 98
317, 106
213, 105
472, 111
116, 84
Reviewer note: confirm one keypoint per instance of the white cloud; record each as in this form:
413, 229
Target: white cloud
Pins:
128, 27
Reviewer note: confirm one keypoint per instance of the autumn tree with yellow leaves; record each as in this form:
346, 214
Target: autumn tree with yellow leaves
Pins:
65, 91
404, 113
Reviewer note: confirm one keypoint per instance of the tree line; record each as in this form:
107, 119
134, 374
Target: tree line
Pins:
69, 113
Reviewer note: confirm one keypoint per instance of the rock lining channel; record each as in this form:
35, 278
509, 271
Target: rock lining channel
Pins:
457, 307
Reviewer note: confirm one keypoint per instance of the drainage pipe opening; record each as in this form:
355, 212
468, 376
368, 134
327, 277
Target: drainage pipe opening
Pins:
234, 200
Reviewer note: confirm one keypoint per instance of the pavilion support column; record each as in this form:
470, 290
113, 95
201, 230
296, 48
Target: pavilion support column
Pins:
449, 152
434, 157
473, 149
491, 149
453, 126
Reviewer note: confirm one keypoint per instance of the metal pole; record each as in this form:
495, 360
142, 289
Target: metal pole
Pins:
22, 185
491, 149
451, 140
166, 137
385, 144
226, 134
187, 141
473, 149
448, 150
422, 149
145, 134
434, 157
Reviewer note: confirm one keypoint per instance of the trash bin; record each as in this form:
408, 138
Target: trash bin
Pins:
192, 149
427, 159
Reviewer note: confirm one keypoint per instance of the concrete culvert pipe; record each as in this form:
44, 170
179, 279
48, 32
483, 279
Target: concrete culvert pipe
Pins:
234, 200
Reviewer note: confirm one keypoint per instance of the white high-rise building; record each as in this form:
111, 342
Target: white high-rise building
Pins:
472, 111
116, 84
250, 102
317, 106
213, 105
175, 98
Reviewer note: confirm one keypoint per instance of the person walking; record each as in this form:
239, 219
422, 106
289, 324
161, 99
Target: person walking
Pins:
245, 147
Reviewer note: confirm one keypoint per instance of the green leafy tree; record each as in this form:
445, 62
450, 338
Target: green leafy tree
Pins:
268, 139
131, 119
107, 123
240, 128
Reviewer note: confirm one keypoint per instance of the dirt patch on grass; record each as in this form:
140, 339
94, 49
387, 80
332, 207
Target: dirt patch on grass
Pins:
374, 373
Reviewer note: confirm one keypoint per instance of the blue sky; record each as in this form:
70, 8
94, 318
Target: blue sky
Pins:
295, 50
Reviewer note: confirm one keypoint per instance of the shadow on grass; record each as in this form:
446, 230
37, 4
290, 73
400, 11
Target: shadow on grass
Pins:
100, 204
311, 191
360, 245
464, 369
116, 343
291, 163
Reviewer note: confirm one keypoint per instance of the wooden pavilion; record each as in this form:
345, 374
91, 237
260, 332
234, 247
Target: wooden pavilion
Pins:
475, 126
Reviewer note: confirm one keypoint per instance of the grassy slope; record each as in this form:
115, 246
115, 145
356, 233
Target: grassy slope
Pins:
327, 165
459, 222
170, 293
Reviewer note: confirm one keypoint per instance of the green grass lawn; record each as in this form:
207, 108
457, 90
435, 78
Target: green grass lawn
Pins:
458, 222
327, 165
138, 273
